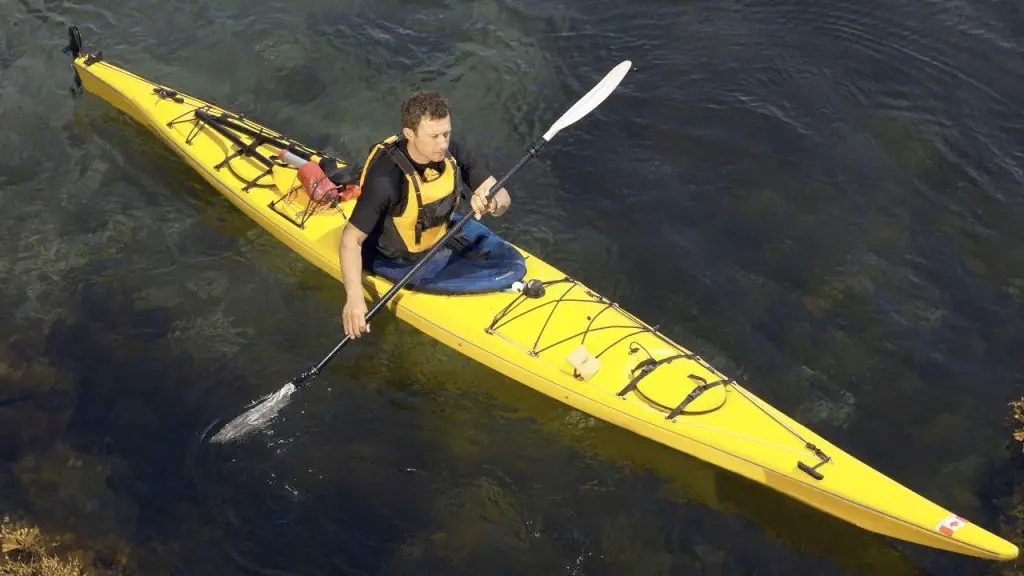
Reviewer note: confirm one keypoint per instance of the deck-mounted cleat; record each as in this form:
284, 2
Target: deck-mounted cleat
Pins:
533, 288
812, 471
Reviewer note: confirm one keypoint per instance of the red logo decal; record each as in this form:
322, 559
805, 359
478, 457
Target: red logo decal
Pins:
950, 524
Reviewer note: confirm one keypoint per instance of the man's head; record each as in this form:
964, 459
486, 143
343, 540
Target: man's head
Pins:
427, 125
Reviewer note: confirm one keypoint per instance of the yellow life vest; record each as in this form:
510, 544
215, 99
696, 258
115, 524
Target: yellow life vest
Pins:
429, 204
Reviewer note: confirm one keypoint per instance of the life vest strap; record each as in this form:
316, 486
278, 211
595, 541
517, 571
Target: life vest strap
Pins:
399, 158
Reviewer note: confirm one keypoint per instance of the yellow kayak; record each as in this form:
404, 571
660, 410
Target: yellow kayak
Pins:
559, 337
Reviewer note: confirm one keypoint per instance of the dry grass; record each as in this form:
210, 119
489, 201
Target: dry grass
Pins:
15, 538
43, 566
23, 552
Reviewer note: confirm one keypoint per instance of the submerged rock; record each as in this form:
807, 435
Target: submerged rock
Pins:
36, 400
68, 492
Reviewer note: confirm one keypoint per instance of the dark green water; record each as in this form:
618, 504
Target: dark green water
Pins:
824, 200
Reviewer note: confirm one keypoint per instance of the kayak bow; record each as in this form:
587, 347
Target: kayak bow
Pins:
559, 338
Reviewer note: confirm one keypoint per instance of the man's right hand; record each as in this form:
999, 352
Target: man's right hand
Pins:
354, 316
350, 254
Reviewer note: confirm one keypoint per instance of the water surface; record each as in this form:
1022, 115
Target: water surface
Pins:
823, 198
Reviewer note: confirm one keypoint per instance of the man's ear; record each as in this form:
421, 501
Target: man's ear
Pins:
408, 133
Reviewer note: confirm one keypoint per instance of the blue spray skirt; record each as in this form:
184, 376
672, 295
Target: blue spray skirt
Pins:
480, 261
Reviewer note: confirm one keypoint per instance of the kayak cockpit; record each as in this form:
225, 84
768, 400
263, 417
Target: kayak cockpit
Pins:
475, 261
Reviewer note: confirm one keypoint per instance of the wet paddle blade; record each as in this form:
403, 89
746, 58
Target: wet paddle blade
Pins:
252, 420
591, 99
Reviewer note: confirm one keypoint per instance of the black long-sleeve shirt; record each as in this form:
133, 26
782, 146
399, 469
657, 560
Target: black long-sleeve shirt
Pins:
383, 191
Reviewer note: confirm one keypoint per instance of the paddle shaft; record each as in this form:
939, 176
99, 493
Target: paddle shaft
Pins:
530, 154
581, 108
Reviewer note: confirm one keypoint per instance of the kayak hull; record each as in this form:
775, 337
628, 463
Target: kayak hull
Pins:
568, 343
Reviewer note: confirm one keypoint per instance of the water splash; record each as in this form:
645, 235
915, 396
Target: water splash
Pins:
261, 413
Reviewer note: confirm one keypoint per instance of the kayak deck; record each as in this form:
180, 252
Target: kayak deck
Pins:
569, 343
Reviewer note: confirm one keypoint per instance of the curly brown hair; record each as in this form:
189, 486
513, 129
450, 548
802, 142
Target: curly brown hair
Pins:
423, 103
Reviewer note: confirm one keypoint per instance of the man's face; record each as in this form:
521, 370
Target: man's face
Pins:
431, 137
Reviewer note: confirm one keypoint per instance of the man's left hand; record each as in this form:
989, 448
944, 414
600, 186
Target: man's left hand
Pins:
498, 203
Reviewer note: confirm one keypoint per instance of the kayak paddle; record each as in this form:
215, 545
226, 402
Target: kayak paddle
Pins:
265, 409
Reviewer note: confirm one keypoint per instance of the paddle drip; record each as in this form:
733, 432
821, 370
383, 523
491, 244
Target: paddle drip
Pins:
261, 414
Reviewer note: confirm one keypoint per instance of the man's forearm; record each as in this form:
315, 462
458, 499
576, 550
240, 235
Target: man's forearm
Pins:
351, 256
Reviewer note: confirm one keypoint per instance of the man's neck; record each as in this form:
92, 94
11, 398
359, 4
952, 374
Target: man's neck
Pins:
410, 151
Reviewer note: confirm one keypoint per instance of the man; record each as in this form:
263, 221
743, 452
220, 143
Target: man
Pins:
410, 188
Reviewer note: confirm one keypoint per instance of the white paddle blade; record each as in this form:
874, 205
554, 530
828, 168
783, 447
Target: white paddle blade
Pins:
591, 99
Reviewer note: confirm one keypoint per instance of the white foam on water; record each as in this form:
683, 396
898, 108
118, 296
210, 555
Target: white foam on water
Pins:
257, 417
